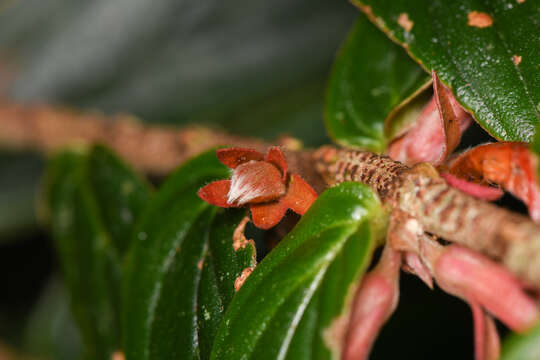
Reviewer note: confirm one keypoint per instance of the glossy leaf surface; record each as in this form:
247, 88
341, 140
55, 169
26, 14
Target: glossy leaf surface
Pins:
535, 147
371, 76
50, 331
485, 51
93, 200
523, 346
89, 262
181, 270
295, 302
119, 193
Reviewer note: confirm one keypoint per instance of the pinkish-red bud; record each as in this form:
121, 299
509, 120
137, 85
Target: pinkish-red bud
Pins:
374, 302
475, 278
486, 339
437, 131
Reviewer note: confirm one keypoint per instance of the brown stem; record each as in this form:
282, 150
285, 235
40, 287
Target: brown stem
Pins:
153, 149
441, 210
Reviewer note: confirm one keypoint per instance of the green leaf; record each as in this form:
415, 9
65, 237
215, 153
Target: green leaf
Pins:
93, 200
119, 193
50, 332
288, 305
371, 76
181, 270
522, 347
476, 62
535, 146
88, 260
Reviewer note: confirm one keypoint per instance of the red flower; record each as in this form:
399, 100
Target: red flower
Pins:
260, 182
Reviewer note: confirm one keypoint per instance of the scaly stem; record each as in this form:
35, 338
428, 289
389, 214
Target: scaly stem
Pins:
441, 210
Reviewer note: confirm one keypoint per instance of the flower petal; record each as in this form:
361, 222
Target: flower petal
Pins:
232, 157
300, 195
489, 193
255, 182
266, 216
509, 164
216, 193
275, 156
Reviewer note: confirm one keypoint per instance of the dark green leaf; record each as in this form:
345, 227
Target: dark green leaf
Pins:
119, 193
522, 347
50, 332
371, 76
93, 201
476, 62
288, 305
181, 271
89, 261
535, 146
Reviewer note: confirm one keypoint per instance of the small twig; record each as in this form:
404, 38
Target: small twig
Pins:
153, 149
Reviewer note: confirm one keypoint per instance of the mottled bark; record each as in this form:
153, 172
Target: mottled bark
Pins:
441, 209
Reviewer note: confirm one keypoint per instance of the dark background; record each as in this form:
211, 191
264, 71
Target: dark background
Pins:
251, 67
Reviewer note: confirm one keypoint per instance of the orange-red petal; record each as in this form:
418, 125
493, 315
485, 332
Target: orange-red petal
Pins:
509, 164
232, 157
275, 156
266, 216
300, 195
216, 193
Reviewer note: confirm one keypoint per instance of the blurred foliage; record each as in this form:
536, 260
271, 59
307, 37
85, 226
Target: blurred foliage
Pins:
253, 68
249, 67
178, 61
19, 179
51, 331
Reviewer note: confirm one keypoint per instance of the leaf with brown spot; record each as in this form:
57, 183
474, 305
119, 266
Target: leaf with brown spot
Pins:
475, 63
479, 19
405, 22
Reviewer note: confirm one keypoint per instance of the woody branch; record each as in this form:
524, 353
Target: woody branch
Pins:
441, 210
